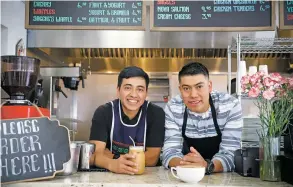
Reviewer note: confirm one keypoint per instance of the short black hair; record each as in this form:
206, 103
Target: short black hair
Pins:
193, 68
133, 71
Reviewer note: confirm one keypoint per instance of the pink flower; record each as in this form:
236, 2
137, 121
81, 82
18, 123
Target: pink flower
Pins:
268, 82
254, 92
275, 77
254, 78
268, 94
259, 85
284, 80
245, 80
261, 73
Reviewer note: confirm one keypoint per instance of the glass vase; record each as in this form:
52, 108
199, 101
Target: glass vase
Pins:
270, 166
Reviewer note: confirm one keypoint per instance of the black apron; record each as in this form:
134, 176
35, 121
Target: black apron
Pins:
208, 146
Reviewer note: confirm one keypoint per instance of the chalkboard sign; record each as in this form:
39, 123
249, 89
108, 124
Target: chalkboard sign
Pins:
123, 14
286, 14
216, 15
32, 148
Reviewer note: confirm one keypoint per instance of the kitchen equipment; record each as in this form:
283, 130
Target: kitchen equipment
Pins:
87, 150
71, 166
18, 78
52, 85
19, 75
246, 161
286, 168
73, 82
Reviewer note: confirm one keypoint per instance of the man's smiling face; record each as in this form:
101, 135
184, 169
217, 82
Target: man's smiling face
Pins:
132, 93
195, 90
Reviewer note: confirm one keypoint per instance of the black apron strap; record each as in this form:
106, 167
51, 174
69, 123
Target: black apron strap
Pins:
185, 146
184, 123
214, 115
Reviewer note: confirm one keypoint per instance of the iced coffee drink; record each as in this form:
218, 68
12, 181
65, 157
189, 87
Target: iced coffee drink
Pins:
139, 158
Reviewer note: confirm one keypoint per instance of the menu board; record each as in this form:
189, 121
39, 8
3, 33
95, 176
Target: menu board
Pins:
286, 14
216, 15
123, 14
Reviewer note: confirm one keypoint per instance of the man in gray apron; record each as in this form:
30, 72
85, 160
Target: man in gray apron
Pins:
128, 116
202, 127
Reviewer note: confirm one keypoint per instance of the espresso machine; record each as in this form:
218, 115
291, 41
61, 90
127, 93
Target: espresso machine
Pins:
19, 77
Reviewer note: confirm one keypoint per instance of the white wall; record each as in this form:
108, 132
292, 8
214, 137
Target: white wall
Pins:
12, 21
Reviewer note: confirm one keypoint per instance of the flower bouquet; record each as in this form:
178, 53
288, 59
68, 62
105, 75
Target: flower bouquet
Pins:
274, 99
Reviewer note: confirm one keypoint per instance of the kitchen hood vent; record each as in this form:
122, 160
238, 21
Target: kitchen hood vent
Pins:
169, 53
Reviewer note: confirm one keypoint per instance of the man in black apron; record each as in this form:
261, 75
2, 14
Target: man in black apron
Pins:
128, 116
203, 127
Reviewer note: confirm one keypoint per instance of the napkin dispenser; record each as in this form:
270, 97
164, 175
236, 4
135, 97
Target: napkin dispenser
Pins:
247, 162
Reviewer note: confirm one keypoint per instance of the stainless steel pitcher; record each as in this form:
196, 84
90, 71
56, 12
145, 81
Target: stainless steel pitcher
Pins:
71, 166
87, 150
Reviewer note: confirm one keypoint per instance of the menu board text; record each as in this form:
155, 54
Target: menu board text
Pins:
217, 13
86, 13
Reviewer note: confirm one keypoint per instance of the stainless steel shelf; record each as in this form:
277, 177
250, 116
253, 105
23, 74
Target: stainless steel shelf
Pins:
263, 45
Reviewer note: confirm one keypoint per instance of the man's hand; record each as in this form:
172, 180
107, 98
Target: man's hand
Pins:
193, 158
124, 165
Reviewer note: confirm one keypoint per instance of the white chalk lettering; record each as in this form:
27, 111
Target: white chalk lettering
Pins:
35, 125
12, 128
34, 158
20, 127
4, 166
13, 165
5, 130
20, 130
34, 142
4, 146
25, 162
27, 127
14, 149
53, 161
23, 143
20, 139
20, 165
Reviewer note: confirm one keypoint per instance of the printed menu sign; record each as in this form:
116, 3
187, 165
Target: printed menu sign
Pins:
286, 14
85, 15
32, 148
217, 15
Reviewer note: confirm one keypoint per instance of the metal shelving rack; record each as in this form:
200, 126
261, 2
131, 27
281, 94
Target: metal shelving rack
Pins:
255, 45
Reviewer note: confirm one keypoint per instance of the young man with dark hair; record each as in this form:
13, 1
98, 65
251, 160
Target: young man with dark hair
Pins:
203, 127
129, 115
